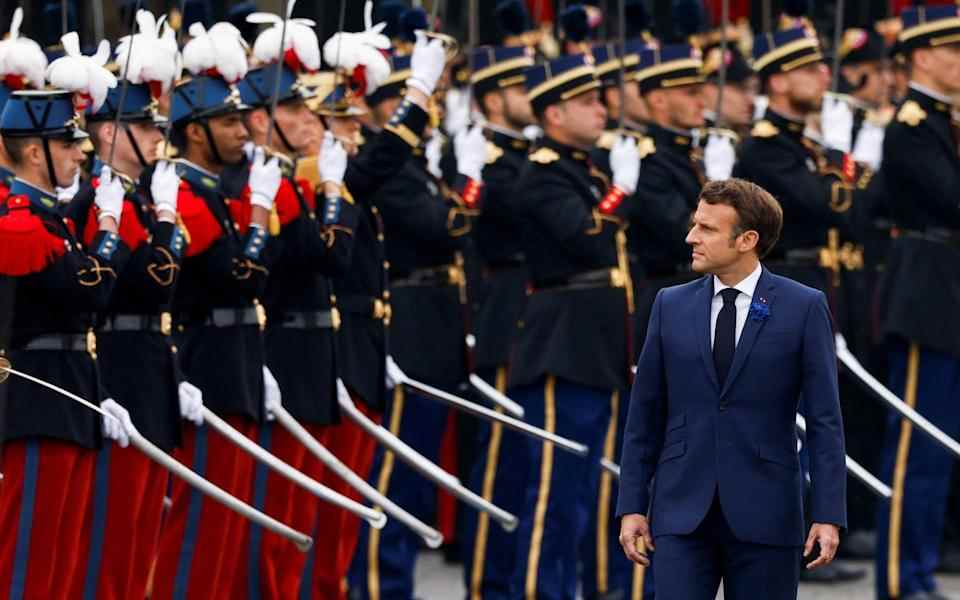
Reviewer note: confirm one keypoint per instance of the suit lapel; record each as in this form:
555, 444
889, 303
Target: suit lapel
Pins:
703, 301
763, 292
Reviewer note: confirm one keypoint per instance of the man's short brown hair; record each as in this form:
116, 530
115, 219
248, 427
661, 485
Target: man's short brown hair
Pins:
757, 210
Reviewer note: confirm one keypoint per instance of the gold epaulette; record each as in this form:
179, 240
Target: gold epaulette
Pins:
764, 129
646, 146
544, 156
911, 113
494, 152
307, 169
607, 140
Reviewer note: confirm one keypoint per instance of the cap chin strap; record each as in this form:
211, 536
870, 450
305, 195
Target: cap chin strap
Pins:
283, 137
134, 144
51, 170
217, 157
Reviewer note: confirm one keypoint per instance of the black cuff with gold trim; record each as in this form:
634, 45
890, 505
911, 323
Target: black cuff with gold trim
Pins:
408, 122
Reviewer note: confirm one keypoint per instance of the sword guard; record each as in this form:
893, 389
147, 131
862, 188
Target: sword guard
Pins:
4, 365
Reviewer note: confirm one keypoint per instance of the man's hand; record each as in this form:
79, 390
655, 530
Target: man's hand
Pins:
828, 536
636, 539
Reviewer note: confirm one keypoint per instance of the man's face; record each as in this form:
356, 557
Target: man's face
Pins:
712, 238
516, 108
67, 158
294, 119
944, 67
634, 108
685, 106
805, 87
229, 134
385, 109
872, 83
147, 137
347, 130
583, 118
738, 99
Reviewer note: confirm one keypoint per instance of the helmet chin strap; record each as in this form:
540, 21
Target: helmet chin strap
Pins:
217, 157
283, 138
51, 170
134, 144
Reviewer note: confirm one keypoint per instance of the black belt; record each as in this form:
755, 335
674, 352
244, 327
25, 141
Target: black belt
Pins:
234, 317
431, 277
366, 306
70, 342
803, 257
598, 278
936, 235
315, 319
151, 323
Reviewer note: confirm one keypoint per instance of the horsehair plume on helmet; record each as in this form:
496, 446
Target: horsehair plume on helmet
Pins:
301, 49
361, 55
81, 74
22, 61
154, 59
219, 51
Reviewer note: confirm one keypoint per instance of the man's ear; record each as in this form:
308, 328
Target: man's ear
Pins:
195, 135
33, 153
749, 240
777, 84
552, 115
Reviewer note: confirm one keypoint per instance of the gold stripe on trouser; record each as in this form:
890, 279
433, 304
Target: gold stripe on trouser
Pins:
383, 483
543, 495
603, 501
639, 574
900, 475
489, 477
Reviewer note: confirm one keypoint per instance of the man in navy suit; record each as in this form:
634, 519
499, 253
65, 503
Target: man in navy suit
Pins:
710, 473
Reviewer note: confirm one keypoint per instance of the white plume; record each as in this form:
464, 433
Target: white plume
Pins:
22, 56
82, 74
154, 52
300, 36
220, 48
347, 51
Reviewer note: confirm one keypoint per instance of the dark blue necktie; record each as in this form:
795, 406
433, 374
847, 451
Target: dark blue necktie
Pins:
725, 335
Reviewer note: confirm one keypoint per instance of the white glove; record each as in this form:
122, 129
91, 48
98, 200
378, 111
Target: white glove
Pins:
532, 132
434, 153
869, 147
248, 148
116, 423
625, 164
395, 375
760, 104
109, 195
165, 187
66, 194
470, 148
836, 124
332, 162
457, 116
426, 64
719, 156
265, 176
191, 403
271, 393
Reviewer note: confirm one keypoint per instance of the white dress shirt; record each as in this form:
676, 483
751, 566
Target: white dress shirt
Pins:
743, 301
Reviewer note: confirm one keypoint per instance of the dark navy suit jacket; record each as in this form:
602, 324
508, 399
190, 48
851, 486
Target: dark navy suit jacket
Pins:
688, 440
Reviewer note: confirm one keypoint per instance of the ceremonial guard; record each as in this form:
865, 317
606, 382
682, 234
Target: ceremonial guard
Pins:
734, 110
217, 310
427, 223
50, 443
497, 81
918, 299
134, 340
570, 360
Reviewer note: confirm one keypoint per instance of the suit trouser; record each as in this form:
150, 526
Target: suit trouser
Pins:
199, 544
499, 476
910, 526
557, 502
691, 567
607, 572
384, 562
43, 498
121, 529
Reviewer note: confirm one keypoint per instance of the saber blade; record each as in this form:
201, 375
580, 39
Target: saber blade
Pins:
857, 470
496, 396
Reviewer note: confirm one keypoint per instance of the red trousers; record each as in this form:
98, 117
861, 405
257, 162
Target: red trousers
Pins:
335, 536
271, 567
121, 530
200, 542
43, 498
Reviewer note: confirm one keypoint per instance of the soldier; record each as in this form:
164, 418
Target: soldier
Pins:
570, 359
217, 309
497, 81
427, 224
865, 79
50, 442
134, 338
918, 299
739, 89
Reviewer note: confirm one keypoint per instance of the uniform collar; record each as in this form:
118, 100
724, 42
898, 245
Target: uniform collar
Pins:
786, 125
929, 99
669, 138
197, 176
6, 176
508, 140
42, 199
568, 152
747, 286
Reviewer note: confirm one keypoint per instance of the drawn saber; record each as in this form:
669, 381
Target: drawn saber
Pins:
302, 541
426, 468
431, 536
879, 391
496, 396
857, 470
376, 519
491, 415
